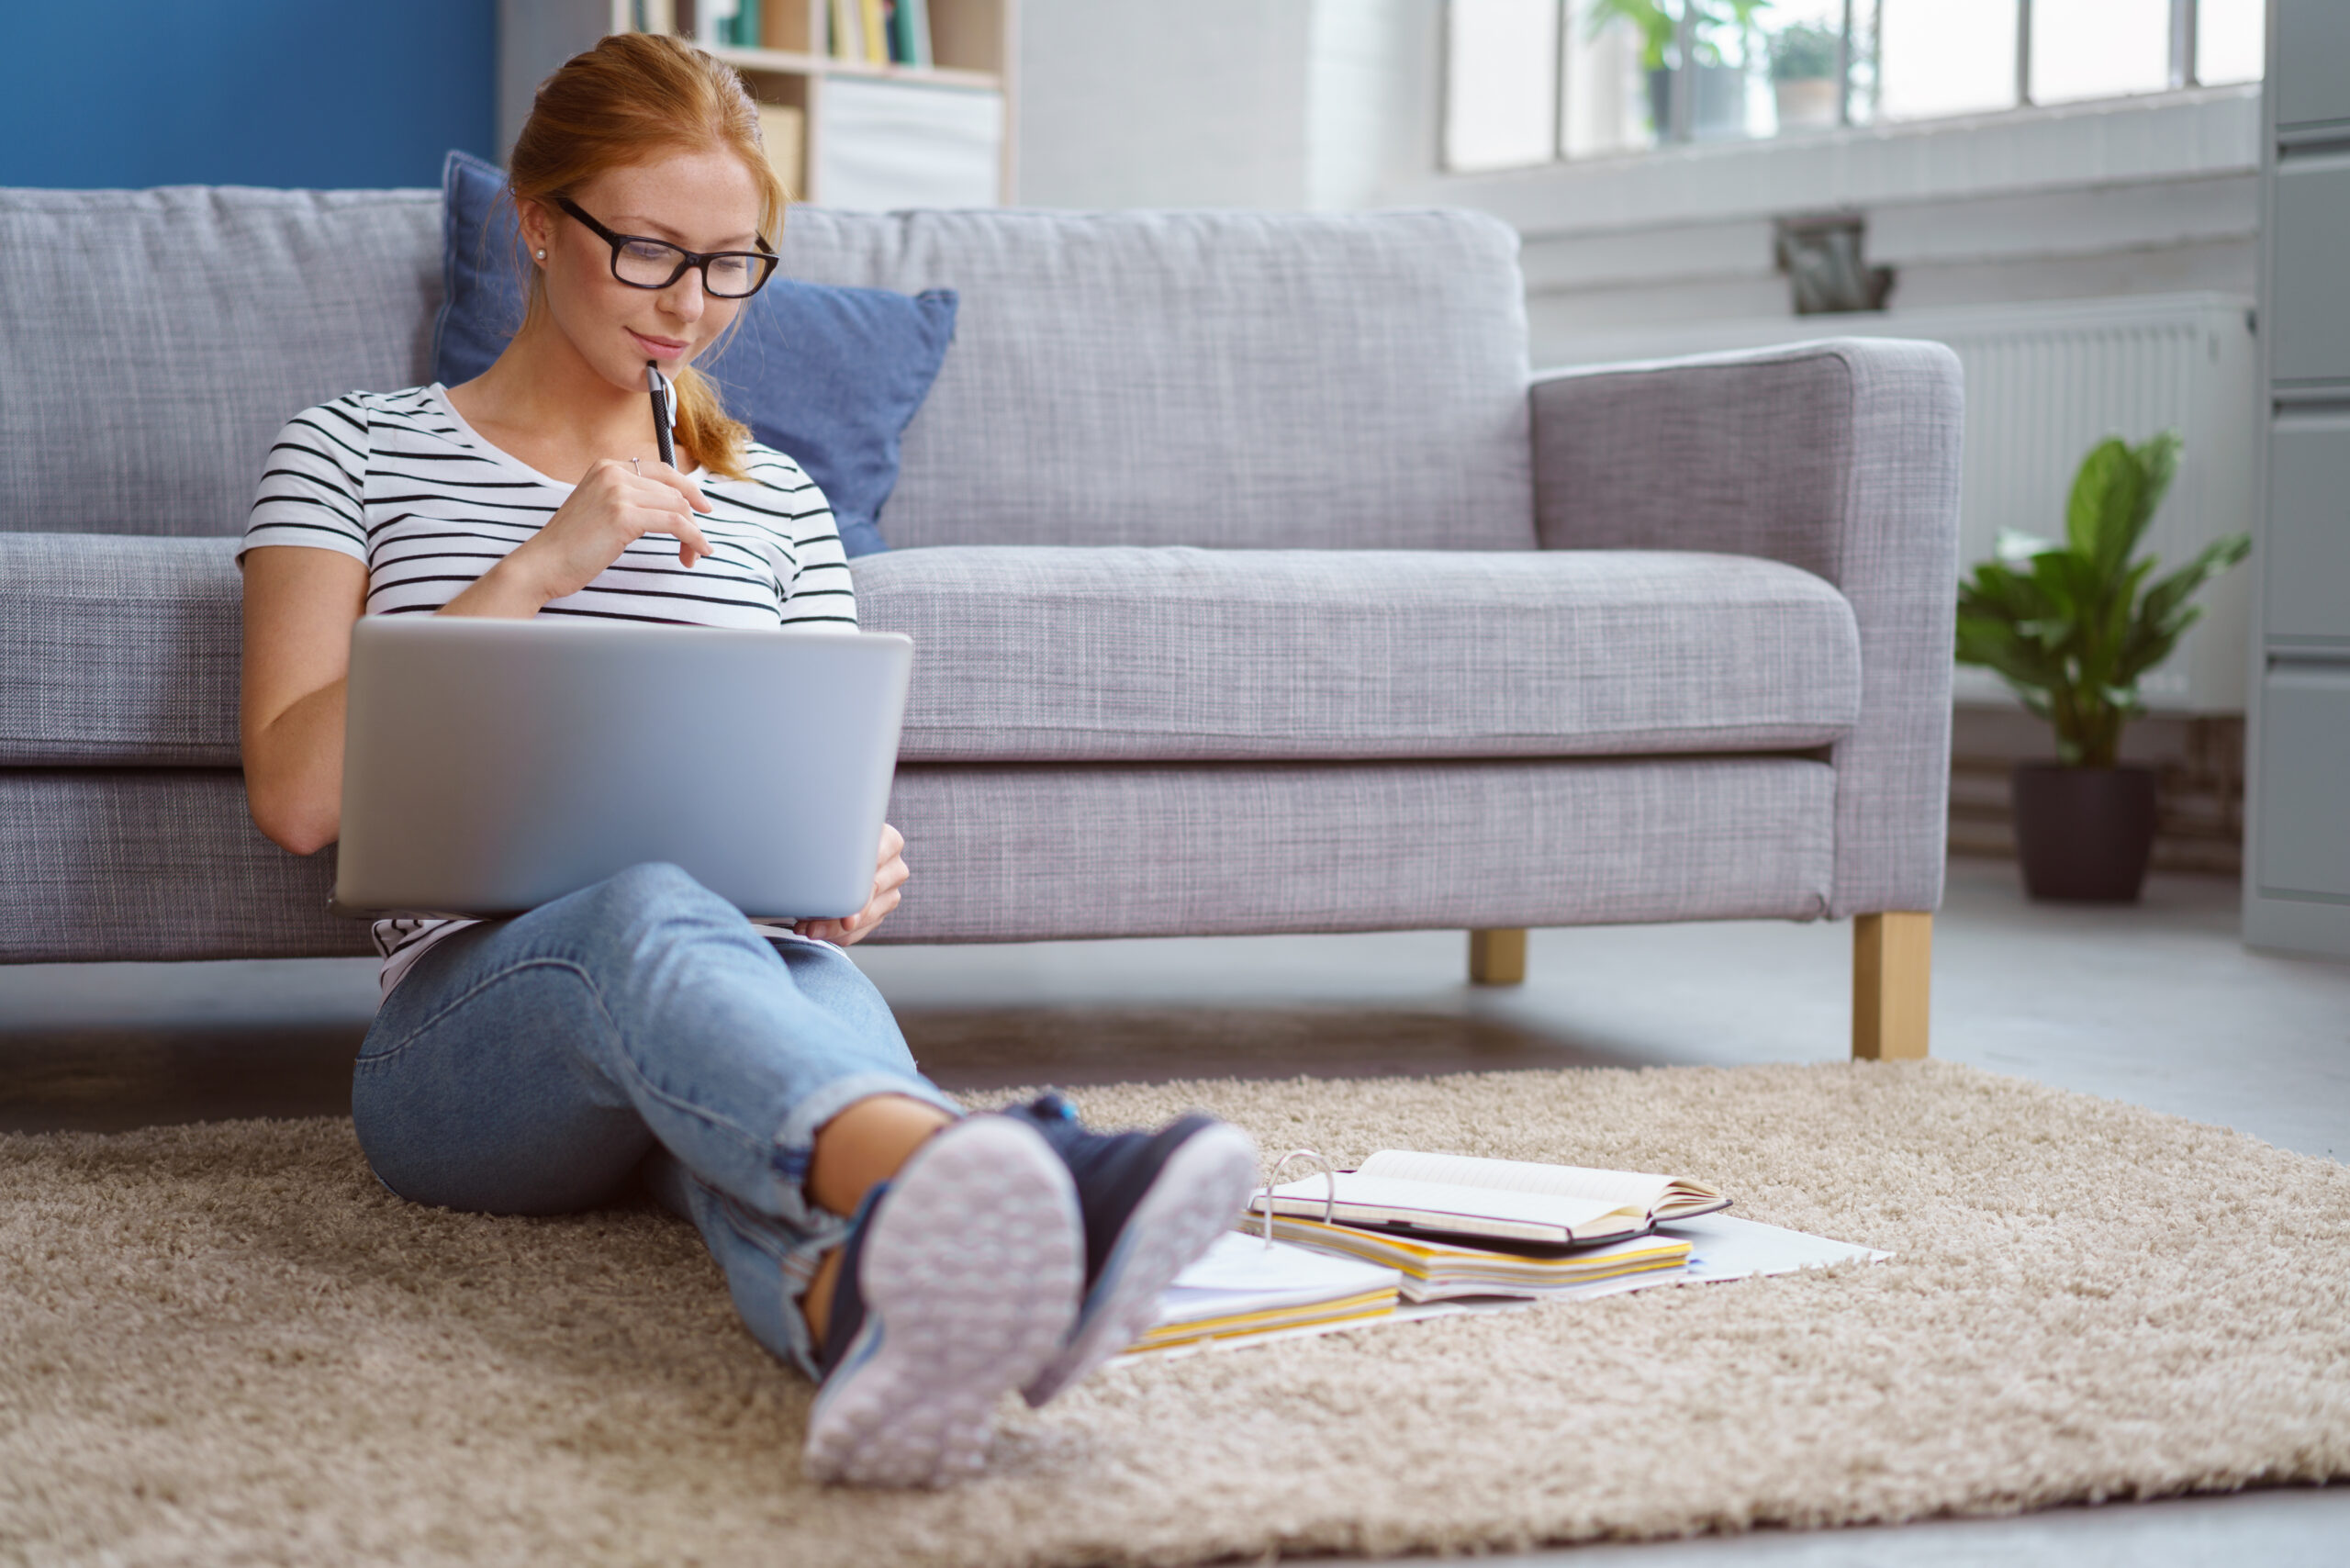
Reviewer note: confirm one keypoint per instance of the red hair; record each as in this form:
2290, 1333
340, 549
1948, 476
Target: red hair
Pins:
632, 98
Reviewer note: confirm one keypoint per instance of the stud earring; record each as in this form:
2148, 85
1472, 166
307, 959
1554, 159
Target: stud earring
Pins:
542, 255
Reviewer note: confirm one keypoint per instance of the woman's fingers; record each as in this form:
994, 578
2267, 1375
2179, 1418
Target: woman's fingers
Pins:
674, 496
691, 545
680, 483
889, 876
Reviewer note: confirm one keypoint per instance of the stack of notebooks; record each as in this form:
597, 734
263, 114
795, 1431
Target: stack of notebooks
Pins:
1408, 1229
1454, 1226
1245, 1287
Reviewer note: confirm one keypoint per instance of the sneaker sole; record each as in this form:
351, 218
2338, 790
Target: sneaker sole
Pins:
970, 1279
1203, 1188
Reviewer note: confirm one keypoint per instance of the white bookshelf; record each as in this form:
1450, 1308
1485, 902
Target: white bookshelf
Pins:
870, 135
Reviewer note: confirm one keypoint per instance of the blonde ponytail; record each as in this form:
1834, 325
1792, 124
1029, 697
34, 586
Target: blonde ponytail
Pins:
705, 434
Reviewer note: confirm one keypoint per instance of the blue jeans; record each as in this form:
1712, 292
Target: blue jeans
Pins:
531, 1066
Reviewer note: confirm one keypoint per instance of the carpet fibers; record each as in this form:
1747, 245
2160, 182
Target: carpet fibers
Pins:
225, 1342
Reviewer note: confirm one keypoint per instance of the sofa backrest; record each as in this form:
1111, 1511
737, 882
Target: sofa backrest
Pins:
153, 342
1208, 378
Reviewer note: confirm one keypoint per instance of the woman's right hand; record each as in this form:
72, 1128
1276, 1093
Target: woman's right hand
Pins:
612, 508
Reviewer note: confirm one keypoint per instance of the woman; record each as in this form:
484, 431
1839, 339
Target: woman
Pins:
918, 1263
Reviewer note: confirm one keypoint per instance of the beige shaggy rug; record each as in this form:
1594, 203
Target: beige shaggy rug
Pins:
225, 1343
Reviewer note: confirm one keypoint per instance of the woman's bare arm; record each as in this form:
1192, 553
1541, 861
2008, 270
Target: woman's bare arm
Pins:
299, 608
300, 605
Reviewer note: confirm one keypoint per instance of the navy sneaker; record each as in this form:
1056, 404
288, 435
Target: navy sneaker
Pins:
1152, 1203
960, 1282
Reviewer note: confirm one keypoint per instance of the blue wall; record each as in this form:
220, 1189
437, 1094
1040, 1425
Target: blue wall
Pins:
320, 92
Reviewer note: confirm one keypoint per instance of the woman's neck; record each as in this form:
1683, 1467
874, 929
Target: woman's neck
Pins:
544, 404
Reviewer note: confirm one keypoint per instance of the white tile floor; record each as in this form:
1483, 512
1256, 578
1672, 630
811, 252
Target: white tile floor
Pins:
2158, 1004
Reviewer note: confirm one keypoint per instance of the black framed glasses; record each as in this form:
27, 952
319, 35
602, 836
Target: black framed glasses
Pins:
642, 261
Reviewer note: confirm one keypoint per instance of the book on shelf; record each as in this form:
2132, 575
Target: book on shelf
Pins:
1441, 1271
1243, 1287
917, 13
1462, 1196
783, 130
880, 32
728, 23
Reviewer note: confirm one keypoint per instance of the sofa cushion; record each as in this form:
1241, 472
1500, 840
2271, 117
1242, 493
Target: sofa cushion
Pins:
122, 650
1171, 654
126, 653
1299, 380
153, 342
1007, 854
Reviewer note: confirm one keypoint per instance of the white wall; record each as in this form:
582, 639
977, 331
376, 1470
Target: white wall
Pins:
1142, 103
1275, 104
1335, 103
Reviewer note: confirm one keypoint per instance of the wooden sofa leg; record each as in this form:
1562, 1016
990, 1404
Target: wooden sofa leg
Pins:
1497, 958
1892, 959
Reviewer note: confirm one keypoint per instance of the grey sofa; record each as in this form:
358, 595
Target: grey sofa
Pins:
1255, 584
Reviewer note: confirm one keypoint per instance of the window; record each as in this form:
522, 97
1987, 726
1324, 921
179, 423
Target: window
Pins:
1528, 82
1500, 86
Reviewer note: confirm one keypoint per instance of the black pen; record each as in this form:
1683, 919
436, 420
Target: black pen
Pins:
664, 412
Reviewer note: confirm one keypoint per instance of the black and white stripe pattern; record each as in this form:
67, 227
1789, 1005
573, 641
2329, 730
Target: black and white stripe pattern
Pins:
400, 482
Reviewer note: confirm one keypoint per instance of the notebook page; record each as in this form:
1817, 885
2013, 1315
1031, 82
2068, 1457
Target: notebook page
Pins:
1432, 1203
1615, 1187
1240, 1274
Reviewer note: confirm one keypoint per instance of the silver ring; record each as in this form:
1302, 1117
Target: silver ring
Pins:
637, 463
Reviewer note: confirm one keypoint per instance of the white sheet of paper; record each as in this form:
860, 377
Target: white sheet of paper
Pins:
1722, 1248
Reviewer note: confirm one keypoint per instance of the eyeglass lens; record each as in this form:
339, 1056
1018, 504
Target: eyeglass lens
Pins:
649, 264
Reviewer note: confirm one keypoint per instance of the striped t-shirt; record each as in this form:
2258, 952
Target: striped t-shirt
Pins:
399, 481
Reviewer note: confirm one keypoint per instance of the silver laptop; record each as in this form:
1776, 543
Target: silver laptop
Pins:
489, 766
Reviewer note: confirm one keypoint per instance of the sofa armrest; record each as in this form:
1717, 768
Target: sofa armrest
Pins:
1840, 457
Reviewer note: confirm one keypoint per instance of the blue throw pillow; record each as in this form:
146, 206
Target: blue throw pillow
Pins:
830, 375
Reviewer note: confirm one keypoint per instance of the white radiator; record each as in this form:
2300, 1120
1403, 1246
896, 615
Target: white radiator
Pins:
2046, 382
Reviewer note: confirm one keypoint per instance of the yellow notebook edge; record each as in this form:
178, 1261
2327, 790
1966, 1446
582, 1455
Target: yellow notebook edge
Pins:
1379, 1247
1361, 1303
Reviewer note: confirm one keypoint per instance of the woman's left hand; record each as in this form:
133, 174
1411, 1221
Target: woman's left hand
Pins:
889, 874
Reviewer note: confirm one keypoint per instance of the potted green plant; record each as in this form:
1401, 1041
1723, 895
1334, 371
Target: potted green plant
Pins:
2071, 628
1803, 75
1717, 89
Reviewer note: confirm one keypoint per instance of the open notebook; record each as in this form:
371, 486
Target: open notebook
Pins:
1509, 1200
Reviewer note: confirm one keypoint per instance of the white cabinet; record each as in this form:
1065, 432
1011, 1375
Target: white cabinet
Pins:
893, 144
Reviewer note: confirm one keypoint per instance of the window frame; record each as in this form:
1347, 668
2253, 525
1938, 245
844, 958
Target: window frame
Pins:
2185, 33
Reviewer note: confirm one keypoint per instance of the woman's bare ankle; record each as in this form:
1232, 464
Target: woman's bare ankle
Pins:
816, 1306
865, 1143
862, 1147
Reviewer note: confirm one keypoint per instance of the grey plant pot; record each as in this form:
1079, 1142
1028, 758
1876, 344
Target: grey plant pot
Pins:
1718, 112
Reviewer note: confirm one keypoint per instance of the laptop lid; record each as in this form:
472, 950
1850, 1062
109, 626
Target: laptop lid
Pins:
490, 766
